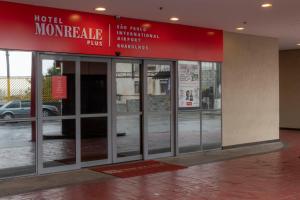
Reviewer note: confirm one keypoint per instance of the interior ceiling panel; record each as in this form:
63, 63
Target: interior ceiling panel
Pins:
282, 21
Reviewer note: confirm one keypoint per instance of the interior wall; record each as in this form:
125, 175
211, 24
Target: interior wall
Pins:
250, 82
289, 67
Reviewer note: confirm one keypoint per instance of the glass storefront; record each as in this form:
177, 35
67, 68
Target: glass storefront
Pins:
63, 112
199, 106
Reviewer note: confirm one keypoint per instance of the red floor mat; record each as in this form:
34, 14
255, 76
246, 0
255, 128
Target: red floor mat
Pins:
137, 168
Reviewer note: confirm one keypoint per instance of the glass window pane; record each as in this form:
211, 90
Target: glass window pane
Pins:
211, 130
189, 131
159, 87
59, 142
16, 82
128, 135
211, 85
93, 87
14, 104
17, 148
128, 87
25, 104
58, 87
94, 139
188, 84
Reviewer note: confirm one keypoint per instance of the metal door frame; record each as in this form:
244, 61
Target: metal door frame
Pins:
115, 113
108, 114
173, 139
40, 118
77, 116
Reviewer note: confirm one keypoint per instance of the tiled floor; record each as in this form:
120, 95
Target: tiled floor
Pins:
267, 177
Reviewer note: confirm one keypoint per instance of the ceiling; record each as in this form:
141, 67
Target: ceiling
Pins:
282, 21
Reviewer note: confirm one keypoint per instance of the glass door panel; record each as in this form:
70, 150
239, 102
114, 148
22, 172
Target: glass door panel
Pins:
158, 107
94, 110
94, 144
58, 113
128, 118
59, 142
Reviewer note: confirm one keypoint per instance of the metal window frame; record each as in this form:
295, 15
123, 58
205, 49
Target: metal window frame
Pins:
201, 111
146, 112
30, 119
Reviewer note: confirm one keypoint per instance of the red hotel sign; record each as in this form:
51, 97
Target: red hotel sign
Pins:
34, 28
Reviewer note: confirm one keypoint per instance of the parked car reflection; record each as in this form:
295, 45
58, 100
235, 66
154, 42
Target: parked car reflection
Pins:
21, 109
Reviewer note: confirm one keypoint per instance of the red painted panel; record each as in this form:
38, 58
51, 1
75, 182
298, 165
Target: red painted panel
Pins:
35, 28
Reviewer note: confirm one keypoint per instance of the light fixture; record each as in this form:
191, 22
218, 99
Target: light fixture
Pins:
298, 44
174, 19
75, 17
101, 9
240, 28
266, 5
211, 33
146, 25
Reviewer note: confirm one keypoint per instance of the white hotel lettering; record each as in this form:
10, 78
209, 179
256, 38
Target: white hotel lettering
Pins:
134, 37
53, 26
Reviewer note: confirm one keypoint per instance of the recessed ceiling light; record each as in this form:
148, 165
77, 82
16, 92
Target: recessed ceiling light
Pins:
174, 18
211, 33
240, 28
100, 9
266, 5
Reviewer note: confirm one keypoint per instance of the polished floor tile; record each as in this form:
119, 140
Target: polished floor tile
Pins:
261, 177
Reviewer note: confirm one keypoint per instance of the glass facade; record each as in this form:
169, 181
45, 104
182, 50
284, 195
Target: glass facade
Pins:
199, 106
17, 114
68, 112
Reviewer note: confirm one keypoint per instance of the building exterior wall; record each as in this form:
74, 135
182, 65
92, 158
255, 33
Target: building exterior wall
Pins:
250, 82
289, 62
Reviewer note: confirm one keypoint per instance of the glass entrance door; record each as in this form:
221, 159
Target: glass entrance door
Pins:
94, 111
73, 113
57, 124
158, 108
127, 109
98, 111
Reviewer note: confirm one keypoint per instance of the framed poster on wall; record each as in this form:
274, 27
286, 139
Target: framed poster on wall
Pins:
188, 84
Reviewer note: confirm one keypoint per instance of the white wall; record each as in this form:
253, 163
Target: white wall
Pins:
250, 82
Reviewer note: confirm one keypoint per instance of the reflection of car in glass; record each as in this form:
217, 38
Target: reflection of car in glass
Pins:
21, 109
